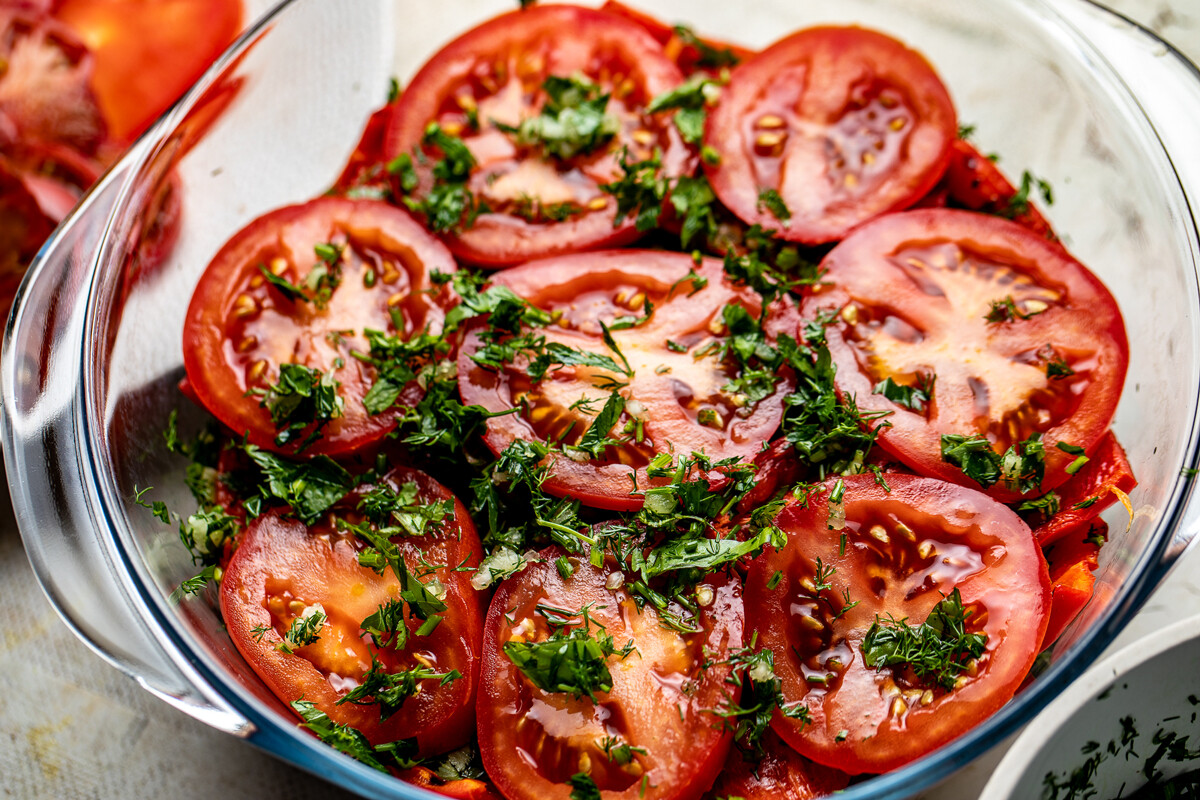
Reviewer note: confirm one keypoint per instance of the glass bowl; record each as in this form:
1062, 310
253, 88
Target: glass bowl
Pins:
92, 353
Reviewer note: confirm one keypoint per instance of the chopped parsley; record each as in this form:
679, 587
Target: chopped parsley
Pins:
302, 398
572, 122
449, 204
772, 202
1021, 467
1006, 310
762, 694
707, 56
1019, 203
389, 690
938, 650
690, 99
352, 742
913, 398
574, 662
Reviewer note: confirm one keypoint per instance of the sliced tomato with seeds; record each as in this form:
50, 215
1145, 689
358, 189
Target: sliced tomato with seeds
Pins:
904, 551
841, 124
661, 701
912, 295
539, 205
1073, 561
283, 569
1102, 481
775, 773
240, 327
679, 390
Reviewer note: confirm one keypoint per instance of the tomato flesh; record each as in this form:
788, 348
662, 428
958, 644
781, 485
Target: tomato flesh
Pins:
843, 124
148, 52
777, 772
686, 407
1073, 560
240, 327
912, 293
904, 550
282, 568
532, 741
494, 73
1089, 491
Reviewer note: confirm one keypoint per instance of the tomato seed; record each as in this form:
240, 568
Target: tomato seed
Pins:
770, 122
244, 306
597, 203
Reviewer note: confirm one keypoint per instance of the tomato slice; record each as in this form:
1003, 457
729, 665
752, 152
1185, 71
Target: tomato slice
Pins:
1089, 491
148, 52
912, 294
686, 54
283, 568
974, 182
494, 74
463, 789
1073, 560
661, 700
45, 92
240, 327
904, 550
779, 772
677, 387
843, 124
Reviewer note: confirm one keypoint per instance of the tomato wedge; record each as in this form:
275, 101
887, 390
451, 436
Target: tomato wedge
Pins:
1073, 560
904, 551
826, 129
676, 390
912, 296
283, 570
778, 772
1103, 480
148, 52
241, 327
662, 698
537, 204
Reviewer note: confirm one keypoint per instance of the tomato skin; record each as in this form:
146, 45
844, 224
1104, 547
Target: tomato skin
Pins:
279, 329
780, 772
563, 40
586, 287
1106, 469
281, 562
148, 52
531, 740
919, 285
464, 789
1073, 560
684, 55
995, 564
974, 182
865, 77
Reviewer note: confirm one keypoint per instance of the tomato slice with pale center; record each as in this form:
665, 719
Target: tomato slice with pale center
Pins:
677, 379
241, 327
494, 74
912, 294
282, 569
843, 124
903, 551
661, 701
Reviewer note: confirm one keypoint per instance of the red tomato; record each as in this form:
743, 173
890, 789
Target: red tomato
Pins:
45, 92
685, 54
904, 550
1107, 470
973, 182
779, 773
1073, 563
465, 789
282, 568
684, 406
844, 124
912, 293
494, 73
364, 173
240, 327
148, 52
532, 741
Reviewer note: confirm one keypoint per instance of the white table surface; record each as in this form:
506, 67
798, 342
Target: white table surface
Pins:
71, 727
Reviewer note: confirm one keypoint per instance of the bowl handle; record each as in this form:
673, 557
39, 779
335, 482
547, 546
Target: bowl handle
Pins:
66, 537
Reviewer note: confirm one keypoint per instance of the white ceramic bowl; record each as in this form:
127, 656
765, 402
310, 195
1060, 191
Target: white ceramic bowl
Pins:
1095, 740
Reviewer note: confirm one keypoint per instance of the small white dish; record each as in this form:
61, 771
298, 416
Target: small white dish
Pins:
1099, 738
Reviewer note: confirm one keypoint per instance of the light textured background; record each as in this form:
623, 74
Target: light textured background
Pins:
71, 727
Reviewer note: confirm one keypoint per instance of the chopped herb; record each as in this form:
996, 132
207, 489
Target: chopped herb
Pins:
341, 737
596, 439
195, 584
1076, 465
389, 690
1006, 311
772, 202
1070, 449
583, 787
302, 398
304, 630
965, 131
913, 398
309, 487
1056, 365
1047, 505
640, 191
449, 205
386, 626
708, 56
571, 123
1018, 204
574, 662
690, 99
400, 512
938, 650
1021, 467
763, 694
